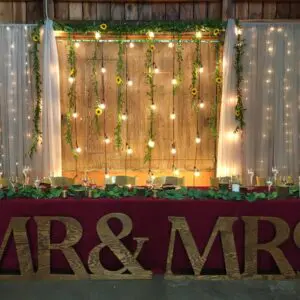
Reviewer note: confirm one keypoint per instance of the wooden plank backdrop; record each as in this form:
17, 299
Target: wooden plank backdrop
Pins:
91, 142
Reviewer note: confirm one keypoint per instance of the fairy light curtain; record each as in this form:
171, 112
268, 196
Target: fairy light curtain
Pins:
229, 160
272, 97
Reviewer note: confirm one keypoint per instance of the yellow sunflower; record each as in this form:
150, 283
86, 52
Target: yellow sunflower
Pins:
119, 80
36, 38
218, 80
98, 111
152, 47
237, 113
216, 32
103, 26
72, 72
194, 91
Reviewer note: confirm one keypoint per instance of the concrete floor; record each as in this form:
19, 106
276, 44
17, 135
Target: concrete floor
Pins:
155, 289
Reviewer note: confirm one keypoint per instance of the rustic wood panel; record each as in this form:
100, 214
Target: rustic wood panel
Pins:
145, 12
75, 11
34, 11
200, 11
158, 11
214, 11
117, 11
186, 11
103, 11
242, 10
295, 11
19, 12
6, 12
89, 11
131, 12
51, 9
172, 11
283, 10
62, 11
255, 10
269, 11
92, 142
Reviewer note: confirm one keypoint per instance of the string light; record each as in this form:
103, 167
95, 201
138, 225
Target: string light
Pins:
77, 44
103, 70
78, 150
124, 117
28, 117
176, 172
106, 140
171, 45
75, 115
156, 69
198, 34
131, 45
201, 104
196, 172
173, 149
172, 116
106, 176
97, 35
102, 105
151, 143
129, 150
153, 107
201, 69
174, 81
7, 28
198, 140
129, 82
71, 79
151, 34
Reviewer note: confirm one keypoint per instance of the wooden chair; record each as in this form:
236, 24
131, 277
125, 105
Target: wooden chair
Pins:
261, 181
159, 181
173, 180
121, 180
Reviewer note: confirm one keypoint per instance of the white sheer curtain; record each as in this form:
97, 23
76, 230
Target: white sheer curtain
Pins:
272, 97
51, 119
17, 101
229, 143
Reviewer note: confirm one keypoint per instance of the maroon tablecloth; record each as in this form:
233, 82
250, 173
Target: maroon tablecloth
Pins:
150, 219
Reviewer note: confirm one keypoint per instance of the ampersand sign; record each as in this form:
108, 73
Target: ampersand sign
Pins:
109, 239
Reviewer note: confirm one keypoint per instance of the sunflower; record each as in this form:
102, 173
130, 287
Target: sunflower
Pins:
98, 111
216, 32
218, 80
152, 47
119, 80
72, 72
237, 113
36, 38
194, 91
103, 26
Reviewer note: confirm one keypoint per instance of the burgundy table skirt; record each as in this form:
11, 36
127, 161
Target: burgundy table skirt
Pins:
150, 219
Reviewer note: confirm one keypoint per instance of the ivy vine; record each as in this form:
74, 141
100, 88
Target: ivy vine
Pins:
195, 73
239, 108
36, 131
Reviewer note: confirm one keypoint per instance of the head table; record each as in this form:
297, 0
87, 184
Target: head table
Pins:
150, 218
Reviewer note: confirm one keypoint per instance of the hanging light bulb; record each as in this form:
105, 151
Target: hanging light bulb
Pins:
129, 150
124, 117
106, 140
201, 69
78, 150
172, 116
102, 105
196, 172
176, 172
153, 106
174, 81
76, 44
97, 35
106, 176
129, 82
173, 149
151, 143
75, 115
155, 69
71, 79
131, 45
198, 140
171, 45
198, 34
103, 70
201, 104
151, 34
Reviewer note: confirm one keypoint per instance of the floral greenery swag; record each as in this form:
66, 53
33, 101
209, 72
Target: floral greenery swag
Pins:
116, 192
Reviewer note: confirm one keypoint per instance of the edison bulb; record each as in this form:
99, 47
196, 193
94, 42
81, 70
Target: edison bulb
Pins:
131, 45
151, 34
102, 105
124, 117
71, 79
77, 45
153, 106
106, 140
129, 151
172, 116
201, 69
174, 81
75, 115
198, 140
103, 70
198, 34
201, 104
196, 173
176, 172
156, 70
106, 176
78, 149
97, 35
173, 150
151, 143
129, 82
170, 45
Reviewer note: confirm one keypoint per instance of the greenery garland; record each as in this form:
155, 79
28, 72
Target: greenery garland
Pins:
120, 96
71, 95
195, 74
179, 57
239, 108
149, 79
208, 26
36, 131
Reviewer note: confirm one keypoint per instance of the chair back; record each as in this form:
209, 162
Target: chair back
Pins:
61, 181
159, 181
173, 180
121, 180
261, 181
